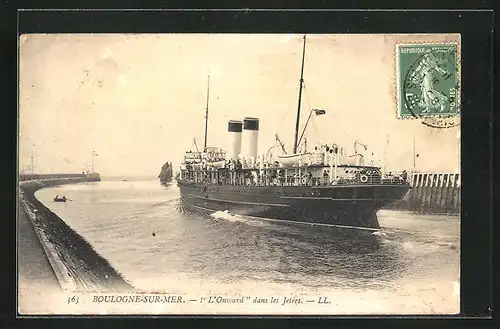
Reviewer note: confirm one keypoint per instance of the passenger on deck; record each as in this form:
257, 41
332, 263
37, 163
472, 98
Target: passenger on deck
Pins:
404, 175
325, 177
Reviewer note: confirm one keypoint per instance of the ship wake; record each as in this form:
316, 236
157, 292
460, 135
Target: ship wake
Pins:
227, 216
416, 241
234, 218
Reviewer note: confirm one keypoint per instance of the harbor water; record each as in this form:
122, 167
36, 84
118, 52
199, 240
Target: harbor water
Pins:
410, 266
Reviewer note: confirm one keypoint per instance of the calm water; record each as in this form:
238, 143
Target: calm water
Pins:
411, 264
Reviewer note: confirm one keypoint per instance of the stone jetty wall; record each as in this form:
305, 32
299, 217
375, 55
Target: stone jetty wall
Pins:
78, 267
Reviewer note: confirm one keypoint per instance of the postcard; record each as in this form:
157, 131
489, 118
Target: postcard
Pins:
239, 174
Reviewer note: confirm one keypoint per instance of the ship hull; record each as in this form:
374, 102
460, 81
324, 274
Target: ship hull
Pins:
348, 205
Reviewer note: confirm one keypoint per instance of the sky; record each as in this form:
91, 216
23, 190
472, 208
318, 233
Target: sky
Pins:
139, 100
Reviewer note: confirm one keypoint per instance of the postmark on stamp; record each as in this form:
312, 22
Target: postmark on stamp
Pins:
428, 81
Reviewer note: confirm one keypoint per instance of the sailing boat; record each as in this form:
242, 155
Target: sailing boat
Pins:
320, 187
166, 173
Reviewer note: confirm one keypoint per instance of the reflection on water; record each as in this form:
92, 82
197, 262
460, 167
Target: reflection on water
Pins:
147, 235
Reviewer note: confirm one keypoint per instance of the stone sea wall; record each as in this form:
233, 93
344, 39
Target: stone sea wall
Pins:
78, 267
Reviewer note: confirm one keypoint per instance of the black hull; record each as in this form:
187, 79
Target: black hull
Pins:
350, 206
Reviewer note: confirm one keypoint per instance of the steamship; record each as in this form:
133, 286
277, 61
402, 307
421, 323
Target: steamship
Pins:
325, 186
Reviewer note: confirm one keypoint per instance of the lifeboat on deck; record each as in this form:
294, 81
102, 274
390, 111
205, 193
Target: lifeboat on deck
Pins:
292, 160
216, 164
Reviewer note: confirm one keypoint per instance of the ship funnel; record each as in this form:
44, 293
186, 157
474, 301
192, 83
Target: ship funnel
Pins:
234, 128
250, 137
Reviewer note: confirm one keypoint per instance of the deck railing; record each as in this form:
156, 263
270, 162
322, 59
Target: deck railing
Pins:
235, 179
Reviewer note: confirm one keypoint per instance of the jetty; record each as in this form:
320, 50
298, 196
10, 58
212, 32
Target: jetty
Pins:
58, 179
50, 254
431, 192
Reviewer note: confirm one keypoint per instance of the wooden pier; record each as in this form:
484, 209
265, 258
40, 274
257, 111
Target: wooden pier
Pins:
431, 192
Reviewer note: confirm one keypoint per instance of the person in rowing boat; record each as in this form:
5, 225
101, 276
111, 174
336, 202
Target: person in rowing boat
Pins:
60, 199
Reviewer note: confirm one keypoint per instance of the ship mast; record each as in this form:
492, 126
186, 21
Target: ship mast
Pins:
206, 114
414, 157
300, 97
32, 159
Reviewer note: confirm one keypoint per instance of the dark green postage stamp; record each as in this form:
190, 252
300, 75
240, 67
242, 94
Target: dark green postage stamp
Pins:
427, 80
